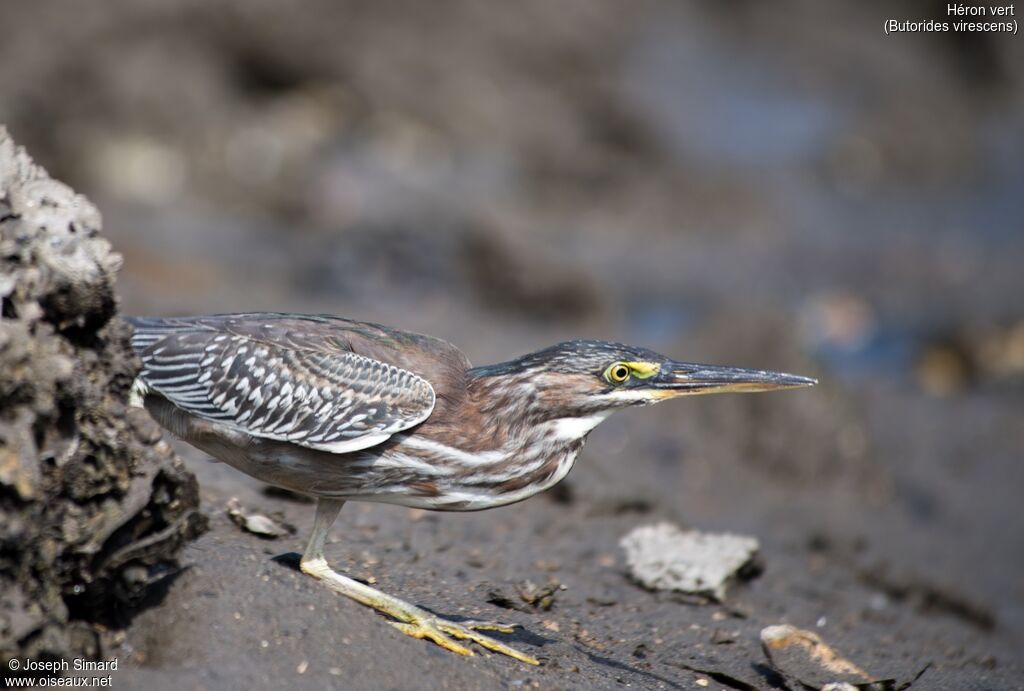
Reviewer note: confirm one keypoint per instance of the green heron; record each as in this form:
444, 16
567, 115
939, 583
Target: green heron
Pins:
344, 410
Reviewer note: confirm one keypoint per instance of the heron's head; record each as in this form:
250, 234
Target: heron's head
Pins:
591, 379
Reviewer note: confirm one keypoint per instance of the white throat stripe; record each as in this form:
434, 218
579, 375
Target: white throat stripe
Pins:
577, 427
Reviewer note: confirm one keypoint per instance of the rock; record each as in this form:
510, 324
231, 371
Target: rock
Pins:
538, 596
94, 507
664, 557
534, 596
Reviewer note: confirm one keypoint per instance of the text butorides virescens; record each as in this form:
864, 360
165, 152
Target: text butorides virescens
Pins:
345, 410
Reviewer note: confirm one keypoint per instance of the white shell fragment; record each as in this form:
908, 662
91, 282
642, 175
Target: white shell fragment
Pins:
257, 523
665, 557
804, 657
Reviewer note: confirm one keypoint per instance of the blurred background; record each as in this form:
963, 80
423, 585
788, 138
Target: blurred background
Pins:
776, 185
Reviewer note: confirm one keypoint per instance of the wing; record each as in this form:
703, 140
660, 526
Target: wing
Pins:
289, 380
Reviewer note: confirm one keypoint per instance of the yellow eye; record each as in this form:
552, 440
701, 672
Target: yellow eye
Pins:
617, 373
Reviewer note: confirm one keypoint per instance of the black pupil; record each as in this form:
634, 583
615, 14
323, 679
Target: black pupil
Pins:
620, 372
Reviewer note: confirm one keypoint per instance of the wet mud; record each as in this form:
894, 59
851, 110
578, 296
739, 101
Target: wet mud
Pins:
773, 186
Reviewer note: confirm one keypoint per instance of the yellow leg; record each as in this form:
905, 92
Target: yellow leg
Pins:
410, 619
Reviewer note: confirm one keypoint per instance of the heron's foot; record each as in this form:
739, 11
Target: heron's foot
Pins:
443, 632
415, 621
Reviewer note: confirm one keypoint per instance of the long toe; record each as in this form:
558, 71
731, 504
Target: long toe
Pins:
463, 632
490, 626
427, 630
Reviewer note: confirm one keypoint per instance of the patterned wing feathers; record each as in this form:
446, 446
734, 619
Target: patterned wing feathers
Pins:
315, 394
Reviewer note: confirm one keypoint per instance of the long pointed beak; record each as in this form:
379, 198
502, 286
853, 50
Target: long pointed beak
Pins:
688, 379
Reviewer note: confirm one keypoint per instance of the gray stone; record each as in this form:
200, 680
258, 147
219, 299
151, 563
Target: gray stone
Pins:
665, 557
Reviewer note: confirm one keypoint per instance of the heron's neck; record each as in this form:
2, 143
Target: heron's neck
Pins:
513, 416
490, 447
480, 466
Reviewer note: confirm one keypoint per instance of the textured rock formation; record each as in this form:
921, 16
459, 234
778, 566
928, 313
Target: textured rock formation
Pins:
94, 506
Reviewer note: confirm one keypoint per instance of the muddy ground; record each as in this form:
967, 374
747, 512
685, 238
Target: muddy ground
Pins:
777, 186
